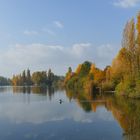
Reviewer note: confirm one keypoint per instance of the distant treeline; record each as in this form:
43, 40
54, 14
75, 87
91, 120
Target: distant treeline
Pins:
123, 75
39, 78
4, 81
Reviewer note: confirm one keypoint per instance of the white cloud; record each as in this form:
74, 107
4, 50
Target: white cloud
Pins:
30, 33
58, 24
48, 31
59, 58
126, 3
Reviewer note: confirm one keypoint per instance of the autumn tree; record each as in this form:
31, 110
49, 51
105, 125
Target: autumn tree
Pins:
97, 74
39, 78
138, 44
138, 29
128, 42
68, 75
78, 69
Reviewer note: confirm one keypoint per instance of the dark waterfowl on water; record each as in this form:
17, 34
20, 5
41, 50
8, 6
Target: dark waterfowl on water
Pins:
60, 101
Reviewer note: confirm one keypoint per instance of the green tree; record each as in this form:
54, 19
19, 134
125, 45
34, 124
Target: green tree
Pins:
50, 77
39, 78
28, 78
85, 69
24, 78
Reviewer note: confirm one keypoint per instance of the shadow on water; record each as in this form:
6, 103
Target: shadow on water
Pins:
125, 111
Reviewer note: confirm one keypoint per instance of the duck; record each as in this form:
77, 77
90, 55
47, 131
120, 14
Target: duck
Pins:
60, 101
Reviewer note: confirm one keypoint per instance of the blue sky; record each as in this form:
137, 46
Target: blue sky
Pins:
39, 34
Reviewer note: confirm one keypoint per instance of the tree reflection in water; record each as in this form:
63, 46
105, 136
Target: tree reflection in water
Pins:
46, 91
125, 111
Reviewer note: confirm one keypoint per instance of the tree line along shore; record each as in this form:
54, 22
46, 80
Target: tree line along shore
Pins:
38, 78
122, 76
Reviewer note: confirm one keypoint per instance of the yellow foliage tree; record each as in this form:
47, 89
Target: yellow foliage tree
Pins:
97, 73
78, 69
138, 28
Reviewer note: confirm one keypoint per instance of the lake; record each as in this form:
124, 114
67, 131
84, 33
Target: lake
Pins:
35, 113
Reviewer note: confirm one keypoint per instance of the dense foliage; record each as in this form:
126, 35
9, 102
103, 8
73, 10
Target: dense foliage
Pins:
39, 78
86, 77
123, 75
4, 81
125, 69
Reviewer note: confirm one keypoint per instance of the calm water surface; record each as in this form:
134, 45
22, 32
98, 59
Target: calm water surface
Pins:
35, 113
